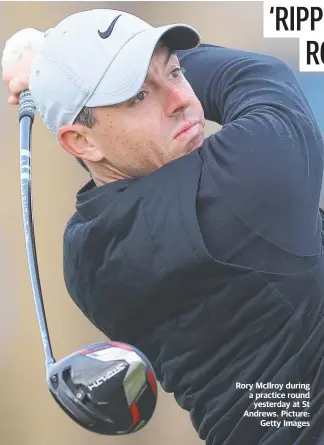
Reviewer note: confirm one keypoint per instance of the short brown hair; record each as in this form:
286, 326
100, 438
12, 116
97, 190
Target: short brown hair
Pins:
86, 117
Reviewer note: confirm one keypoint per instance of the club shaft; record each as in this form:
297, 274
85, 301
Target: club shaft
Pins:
26, 196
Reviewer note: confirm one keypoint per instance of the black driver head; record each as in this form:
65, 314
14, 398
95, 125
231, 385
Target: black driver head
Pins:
108, 388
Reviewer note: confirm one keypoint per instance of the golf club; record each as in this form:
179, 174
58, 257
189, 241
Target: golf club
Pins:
108, 387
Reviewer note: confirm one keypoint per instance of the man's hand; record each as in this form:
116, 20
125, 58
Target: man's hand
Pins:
17, 59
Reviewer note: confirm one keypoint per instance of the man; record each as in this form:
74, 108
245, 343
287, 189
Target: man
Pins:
206, 254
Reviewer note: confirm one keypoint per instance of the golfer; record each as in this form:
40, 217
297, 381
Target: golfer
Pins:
205, 253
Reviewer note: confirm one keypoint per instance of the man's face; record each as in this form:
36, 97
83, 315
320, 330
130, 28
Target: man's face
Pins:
142, 134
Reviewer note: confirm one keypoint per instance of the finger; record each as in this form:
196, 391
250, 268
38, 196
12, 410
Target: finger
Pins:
18, 84
6, 77
9, 72
13, 100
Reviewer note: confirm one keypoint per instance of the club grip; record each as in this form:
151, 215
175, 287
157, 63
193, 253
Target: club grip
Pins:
26, 105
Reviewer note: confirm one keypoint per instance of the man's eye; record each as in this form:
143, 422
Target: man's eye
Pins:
139, 97
177, 72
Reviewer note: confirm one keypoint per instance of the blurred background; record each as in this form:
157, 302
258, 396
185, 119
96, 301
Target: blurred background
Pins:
28, 414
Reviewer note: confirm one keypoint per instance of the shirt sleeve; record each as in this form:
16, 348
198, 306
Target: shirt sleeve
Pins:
267, 158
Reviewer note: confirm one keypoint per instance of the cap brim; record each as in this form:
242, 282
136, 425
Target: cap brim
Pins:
126, 74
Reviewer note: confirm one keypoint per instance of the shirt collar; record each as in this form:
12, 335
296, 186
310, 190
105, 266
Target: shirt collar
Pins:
91, 200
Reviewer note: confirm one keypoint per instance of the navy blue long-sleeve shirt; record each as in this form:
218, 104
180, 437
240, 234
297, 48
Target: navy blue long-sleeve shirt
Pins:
267, 159
213, 264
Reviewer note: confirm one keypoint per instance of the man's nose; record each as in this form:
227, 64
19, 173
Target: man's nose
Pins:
176, 100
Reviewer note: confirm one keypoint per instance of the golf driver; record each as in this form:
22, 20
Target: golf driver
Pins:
109, 387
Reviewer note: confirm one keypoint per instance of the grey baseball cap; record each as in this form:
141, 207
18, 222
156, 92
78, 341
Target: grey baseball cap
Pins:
97, 58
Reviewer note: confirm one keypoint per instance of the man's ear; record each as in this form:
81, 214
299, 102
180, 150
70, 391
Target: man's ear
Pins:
75, 139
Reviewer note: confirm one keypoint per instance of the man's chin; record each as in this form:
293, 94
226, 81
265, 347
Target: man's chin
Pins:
196, 143
189, 148
184, 147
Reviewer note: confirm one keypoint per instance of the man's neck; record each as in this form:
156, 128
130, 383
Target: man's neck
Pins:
102, 174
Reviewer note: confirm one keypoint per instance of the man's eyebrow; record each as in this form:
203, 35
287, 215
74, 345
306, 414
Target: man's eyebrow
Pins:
171, 52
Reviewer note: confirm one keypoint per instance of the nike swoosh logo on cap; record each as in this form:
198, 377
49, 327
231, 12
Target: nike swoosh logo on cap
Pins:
106, 34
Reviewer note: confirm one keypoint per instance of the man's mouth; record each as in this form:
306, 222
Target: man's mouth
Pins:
187, 129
